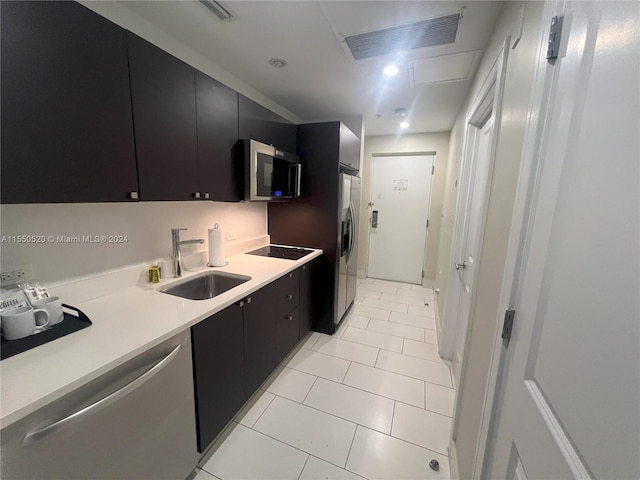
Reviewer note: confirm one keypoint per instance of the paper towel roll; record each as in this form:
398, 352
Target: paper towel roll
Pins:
216, 249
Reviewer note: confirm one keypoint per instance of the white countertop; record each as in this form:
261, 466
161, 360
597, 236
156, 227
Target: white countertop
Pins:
125, 324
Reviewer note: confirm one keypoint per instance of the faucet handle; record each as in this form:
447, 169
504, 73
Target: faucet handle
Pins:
176, 230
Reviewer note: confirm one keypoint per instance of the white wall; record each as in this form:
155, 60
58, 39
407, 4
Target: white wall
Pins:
146, 224
485, 316
421, 142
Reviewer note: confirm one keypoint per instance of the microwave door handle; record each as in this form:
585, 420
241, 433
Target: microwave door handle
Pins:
298, 189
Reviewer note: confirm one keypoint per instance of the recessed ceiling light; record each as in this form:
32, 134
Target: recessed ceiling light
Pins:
390, 70
278, 62
404, 125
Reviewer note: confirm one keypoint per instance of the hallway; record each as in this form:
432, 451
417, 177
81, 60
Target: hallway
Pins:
372, 401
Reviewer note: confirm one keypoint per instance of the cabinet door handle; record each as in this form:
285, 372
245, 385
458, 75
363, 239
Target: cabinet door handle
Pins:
289, 297
78, 416
304, 267
196, 195
241, 303
290, 317
248, 299
133, 195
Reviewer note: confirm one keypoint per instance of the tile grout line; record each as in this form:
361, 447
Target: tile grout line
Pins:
317, 410
303, 467
345, 374
409, 376
305, 397
373, 346
355, 431
409, 442
365, 391
422, 408
266, 408
393, 416
327, 461
285, 443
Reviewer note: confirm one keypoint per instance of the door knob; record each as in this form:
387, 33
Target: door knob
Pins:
462, 265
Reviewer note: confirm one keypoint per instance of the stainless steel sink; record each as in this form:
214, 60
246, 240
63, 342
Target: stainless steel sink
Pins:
206, 285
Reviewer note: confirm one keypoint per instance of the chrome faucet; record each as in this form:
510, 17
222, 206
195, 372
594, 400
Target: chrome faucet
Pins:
175, 249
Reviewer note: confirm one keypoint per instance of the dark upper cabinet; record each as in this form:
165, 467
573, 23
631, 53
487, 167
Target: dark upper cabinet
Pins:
261, 124
217, 120
67, 133
218, 371
164, 115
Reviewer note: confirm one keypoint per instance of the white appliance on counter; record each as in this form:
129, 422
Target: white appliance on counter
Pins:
136, 421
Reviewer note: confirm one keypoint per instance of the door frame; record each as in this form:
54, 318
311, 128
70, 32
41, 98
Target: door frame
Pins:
488, 101
528, 179
370, 201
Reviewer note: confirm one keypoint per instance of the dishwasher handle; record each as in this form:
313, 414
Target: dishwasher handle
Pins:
76, 417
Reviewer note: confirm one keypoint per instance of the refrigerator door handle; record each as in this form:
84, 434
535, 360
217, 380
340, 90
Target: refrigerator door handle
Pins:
352, 233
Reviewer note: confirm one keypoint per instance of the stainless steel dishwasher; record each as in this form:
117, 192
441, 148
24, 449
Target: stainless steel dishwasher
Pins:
134, 422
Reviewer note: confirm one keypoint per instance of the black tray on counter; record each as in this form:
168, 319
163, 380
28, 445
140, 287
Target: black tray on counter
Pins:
70, 324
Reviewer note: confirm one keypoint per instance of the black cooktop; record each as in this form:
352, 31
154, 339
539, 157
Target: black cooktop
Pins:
290, 253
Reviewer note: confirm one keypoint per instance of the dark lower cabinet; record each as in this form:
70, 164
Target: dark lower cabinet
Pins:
308, 302
164, 114
259, 337
218, 366
235, 350
287, 333
220, 178
67, 132
286, 293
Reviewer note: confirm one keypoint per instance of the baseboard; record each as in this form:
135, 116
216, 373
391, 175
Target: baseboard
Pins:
438, 319
453, 461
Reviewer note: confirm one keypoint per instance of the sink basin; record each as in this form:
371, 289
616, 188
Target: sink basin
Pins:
206, 285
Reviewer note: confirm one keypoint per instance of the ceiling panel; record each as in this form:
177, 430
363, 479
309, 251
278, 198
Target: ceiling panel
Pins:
320, 81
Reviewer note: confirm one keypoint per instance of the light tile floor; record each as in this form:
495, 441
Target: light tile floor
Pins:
372, 401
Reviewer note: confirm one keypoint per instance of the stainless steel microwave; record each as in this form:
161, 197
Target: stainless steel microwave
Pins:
270, 173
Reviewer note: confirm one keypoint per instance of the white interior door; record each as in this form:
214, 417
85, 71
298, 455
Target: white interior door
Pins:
569, 405
400, 197
473, 228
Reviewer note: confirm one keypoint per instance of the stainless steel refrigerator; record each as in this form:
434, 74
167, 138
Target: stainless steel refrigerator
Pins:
349, 202
325, 216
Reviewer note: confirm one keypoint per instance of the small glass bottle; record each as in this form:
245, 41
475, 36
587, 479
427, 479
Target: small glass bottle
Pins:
155, 273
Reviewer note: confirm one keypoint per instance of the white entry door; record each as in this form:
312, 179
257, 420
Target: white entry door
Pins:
569, 405
399, 212
474, 211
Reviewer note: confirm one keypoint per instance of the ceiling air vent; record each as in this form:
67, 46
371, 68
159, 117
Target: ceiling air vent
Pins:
220, 10
427, 33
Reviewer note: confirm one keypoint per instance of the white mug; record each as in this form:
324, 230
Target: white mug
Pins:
53, 306
22, 322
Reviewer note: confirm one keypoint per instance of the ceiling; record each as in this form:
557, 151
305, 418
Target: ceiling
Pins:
322, 81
